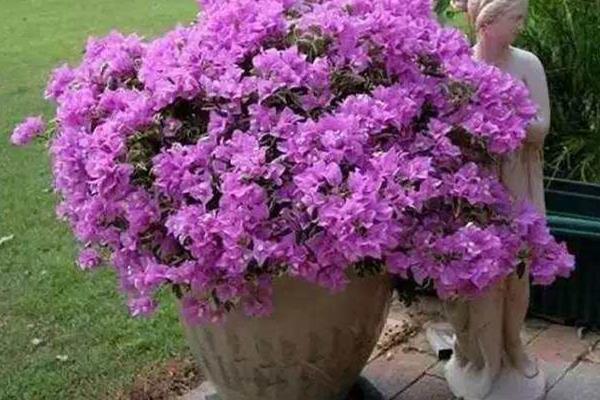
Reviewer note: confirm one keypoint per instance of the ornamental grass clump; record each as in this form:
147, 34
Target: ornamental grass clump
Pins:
312, 139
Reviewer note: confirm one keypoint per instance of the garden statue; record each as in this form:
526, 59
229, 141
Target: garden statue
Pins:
490, 361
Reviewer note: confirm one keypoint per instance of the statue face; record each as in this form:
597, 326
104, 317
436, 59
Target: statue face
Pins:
505, 28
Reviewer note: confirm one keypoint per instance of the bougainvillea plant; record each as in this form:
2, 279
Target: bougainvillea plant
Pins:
300, 138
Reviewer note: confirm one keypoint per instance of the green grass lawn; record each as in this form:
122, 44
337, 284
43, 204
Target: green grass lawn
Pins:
42, 294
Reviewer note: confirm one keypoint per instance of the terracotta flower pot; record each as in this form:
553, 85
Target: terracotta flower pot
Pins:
314, 346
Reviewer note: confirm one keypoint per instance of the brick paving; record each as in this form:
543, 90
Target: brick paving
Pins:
403, 367
397, 370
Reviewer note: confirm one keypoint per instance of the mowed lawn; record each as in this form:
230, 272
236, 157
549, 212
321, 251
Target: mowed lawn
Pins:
49, 308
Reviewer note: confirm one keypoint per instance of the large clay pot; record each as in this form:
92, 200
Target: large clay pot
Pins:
313, 347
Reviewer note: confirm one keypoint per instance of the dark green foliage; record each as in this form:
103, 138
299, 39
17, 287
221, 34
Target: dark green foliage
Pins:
564, 34
141, 148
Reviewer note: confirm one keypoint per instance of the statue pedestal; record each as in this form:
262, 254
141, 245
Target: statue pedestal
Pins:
508, 385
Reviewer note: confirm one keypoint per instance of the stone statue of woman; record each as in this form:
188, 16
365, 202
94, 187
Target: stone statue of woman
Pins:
489, 360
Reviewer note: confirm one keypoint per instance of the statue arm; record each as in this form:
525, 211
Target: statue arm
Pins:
538, 87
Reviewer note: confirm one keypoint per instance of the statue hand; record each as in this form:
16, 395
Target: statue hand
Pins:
459, 5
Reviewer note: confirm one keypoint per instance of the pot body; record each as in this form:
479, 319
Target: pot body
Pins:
314, 346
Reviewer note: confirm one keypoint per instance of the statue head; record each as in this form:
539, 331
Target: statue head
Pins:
498, 20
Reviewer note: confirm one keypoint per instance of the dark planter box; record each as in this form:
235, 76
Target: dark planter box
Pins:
574, 217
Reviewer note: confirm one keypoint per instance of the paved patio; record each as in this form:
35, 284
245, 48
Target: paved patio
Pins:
403, 366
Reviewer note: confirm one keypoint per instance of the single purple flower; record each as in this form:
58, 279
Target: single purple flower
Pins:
89, 259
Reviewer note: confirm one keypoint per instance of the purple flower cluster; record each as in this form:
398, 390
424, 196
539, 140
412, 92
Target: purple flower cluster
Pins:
310, 138
31, 128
